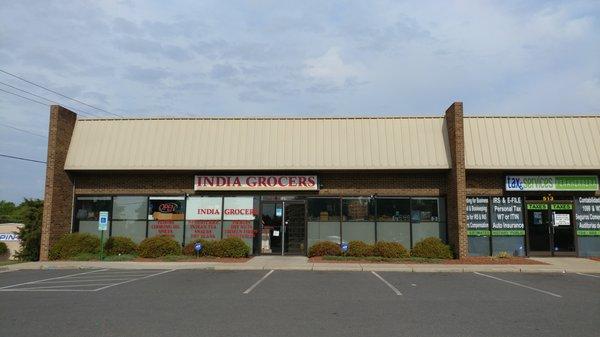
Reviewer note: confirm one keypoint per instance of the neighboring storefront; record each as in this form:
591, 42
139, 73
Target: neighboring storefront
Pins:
538, 215
485, 185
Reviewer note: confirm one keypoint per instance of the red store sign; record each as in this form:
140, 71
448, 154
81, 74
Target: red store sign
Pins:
256, 183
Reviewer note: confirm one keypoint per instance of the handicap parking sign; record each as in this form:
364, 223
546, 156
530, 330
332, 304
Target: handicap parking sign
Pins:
198, 246
103, 221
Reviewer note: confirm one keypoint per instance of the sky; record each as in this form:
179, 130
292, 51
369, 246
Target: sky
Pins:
288, 58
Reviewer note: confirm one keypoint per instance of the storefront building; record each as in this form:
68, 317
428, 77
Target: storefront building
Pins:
522, 185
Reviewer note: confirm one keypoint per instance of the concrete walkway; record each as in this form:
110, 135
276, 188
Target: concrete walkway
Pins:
555, 265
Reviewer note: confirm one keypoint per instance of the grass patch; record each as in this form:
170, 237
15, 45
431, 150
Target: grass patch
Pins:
174, 258
85, 257
7, 262
122, 257
382, 259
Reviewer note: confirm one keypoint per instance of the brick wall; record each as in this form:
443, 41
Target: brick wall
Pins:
58, 195
457, 217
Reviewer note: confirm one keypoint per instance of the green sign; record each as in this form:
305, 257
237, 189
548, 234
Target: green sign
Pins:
551, 183
508, 232
478, 232
561, 207
588, 232
537, 207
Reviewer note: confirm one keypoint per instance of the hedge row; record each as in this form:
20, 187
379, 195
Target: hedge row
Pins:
431, 247
74, 244
229, 247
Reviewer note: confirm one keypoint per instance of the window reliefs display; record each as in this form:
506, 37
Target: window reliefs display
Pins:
494, 225
403, 220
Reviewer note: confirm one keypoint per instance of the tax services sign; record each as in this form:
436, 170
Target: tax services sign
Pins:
551, 183
256, 183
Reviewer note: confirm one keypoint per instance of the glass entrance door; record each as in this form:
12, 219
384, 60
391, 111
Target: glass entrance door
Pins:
538, 229
283, 228
563, 239
550, 229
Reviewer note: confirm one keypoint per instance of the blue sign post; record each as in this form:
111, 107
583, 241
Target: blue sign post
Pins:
198, 248
102, 226
344, 247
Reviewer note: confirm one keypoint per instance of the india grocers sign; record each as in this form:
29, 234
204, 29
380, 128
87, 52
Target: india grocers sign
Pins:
256, 183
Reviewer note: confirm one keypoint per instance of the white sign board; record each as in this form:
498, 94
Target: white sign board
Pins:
238, 208
256, 183
203, 208
562, 220
103, 221
9, 237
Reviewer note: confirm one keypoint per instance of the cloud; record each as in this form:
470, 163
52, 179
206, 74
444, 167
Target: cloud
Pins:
321, 58
223, 71
145, 75
330, 68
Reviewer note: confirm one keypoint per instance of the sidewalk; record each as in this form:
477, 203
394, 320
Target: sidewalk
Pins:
554, 265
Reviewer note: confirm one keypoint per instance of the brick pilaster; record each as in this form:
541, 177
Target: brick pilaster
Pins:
58, 195
457, 188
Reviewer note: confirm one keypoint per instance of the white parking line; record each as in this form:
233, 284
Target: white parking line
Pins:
387, 283
67, 286
89, 280
52, 278
257, 283
596, 276
135, 279
519, 285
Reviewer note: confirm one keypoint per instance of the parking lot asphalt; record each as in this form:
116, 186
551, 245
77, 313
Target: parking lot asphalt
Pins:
108, 302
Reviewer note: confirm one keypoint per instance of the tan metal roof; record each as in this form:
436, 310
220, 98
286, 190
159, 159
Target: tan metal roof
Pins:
532, 142
259, 144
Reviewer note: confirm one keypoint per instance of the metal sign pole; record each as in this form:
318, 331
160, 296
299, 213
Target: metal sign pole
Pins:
282, 227
101, 245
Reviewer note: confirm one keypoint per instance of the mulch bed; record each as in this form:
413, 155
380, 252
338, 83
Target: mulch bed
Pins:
493, 260
595, 258
200, 259
469, 260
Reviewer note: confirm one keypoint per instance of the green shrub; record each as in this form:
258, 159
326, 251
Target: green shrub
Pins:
207, 249
73, 244
431, 248
229, 247
3, 249
119, 245
503, 255
323, 248
359, 249
393, 250
158, 246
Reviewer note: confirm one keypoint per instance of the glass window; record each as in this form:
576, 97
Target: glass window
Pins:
87, 211
133, 229
130, 208
129, 217
428, 218
323, 220
324, 209
203, 218
393, 220
239, 214
358, 220
166, 216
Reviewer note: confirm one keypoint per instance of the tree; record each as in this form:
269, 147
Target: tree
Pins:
7, 210
30, 212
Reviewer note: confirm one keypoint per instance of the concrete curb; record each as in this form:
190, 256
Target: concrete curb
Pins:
305, 267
